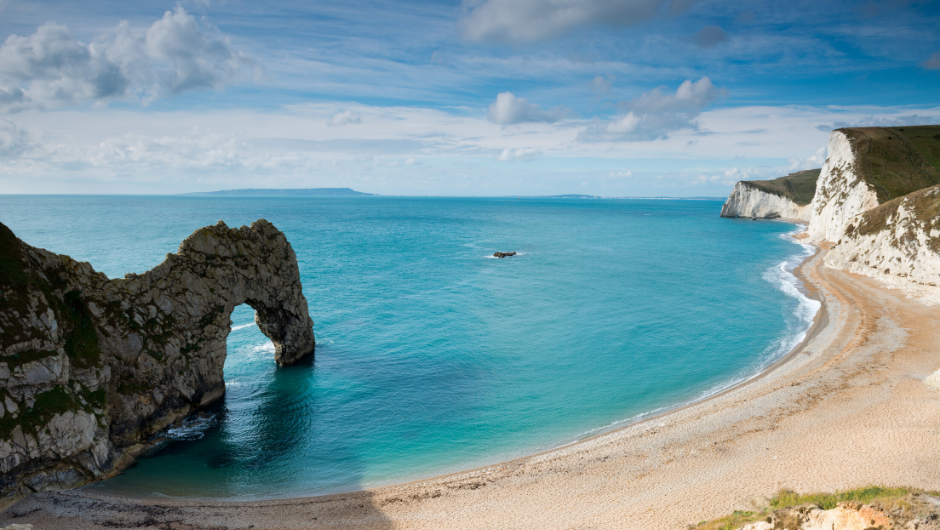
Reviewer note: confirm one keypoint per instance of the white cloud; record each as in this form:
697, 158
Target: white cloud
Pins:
813, 162
344, 118
524, 21
509, 109
655, 114
412, 162
621, 174
52, 68
522, 153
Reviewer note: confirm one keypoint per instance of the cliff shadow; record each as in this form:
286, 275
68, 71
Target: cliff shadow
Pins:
266, 438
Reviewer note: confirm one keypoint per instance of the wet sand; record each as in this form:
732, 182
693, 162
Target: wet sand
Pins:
847, 408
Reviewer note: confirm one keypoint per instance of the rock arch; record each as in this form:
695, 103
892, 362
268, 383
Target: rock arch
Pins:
90, 367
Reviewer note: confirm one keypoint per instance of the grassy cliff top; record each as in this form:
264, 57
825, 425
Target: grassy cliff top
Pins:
799, 187
897, 160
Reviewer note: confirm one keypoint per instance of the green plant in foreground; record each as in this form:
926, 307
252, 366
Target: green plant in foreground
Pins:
827, 501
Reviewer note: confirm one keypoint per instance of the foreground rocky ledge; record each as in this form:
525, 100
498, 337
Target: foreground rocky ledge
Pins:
92, 367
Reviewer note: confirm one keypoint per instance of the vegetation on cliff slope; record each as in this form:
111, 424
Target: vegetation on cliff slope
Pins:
799, 187
897, 161
875, 495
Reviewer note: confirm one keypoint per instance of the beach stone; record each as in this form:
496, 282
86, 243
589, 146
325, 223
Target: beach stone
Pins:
94, 367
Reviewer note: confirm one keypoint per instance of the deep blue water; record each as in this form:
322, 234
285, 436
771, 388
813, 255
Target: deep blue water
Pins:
434, 357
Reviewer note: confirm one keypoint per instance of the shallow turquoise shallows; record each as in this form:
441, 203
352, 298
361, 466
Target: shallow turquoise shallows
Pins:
431, 355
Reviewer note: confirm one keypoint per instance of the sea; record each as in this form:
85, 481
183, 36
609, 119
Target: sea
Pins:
432, 355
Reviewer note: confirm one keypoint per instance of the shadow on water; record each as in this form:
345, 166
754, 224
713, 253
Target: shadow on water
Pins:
263, 441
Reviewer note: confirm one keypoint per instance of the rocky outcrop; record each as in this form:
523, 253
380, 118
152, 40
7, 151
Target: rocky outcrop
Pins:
91, 367
788, 197
504, 254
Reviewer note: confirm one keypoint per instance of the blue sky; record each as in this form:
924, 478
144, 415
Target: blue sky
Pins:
483, 97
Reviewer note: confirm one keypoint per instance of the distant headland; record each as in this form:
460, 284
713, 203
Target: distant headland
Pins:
305, 192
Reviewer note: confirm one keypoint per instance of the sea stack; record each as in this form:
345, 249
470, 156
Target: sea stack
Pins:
91, 367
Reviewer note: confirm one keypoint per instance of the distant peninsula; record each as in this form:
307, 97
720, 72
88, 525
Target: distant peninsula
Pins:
305, 192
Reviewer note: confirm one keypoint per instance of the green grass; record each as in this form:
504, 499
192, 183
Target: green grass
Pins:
896, 162
799, 187
826, 501
927, 141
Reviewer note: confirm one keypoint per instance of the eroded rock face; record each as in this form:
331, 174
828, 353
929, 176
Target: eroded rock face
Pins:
841, 192
897, 243
91, 367
748, 201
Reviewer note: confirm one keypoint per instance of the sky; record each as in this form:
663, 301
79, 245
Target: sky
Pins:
678, 98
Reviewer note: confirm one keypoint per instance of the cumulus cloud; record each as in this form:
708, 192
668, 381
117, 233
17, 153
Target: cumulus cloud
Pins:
655, 114
709, 37
525, 21
813, 162
621, 174
522, 153
509, 109
344, 118
52, 68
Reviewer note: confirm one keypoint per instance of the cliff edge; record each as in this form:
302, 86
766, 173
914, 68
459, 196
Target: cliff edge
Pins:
876, 205
787, 197
91, 367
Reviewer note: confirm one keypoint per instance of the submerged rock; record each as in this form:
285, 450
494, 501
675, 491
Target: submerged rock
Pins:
91, 367
503, 254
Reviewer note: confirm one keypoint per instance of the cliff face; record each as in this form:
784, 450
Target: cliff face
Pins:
841, 193
897, 242
91, 367
875, 204
871, 166
786, 197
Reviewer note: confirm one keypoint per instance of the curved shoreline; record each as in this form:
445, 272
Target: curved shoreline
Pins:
845, 408
819, 321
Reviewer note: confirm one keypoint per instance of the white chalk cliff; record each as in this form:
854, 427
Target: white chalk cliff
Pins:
876, 206
749, 201
897, 243
841, 193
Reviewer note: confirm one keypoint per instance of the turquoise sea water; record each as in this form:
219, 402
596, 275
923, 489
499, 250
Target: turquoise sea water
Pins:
433, 356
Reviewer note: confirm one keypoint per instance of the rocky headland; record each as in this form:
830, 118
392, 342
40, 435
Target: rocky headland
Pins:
91, 367
876, 205
787, 197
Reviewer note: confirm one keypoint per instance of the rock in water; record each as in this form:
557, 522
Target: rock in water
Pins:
504, 254
90, 368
